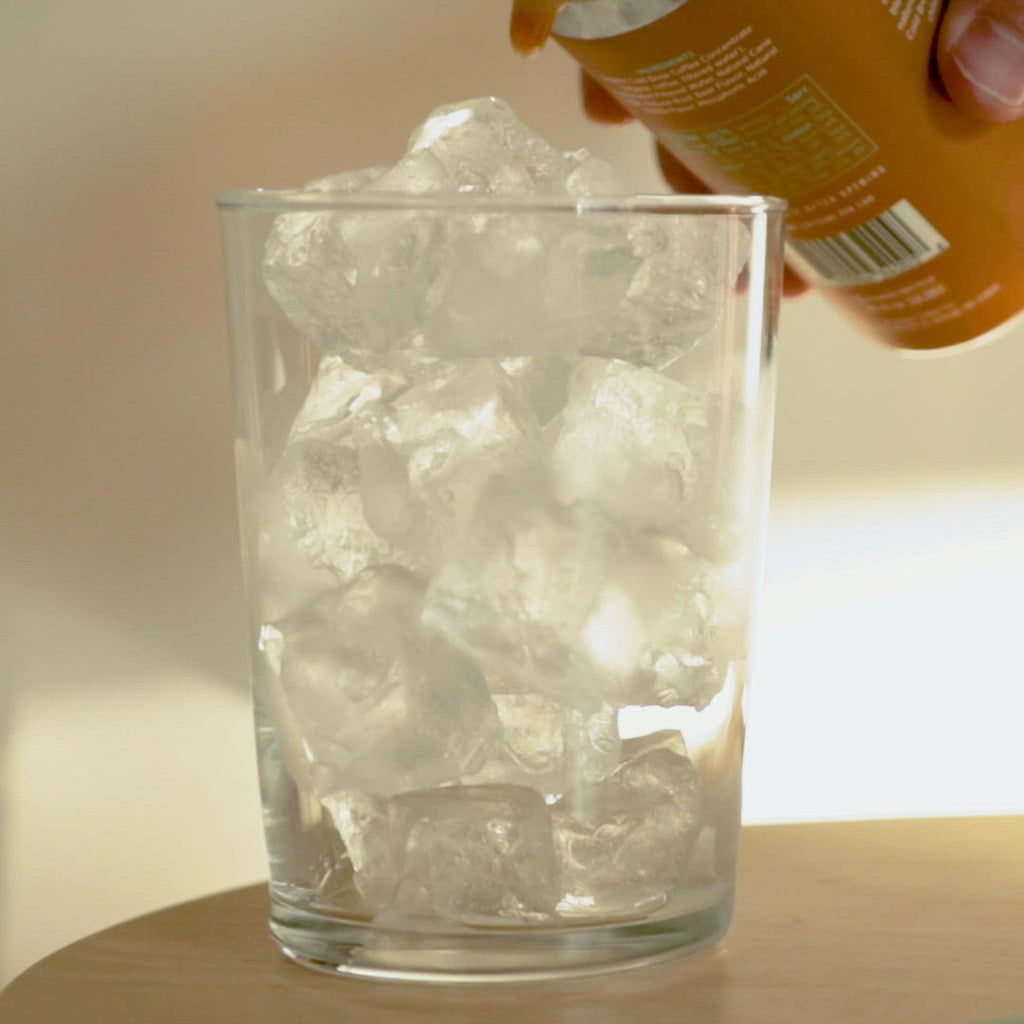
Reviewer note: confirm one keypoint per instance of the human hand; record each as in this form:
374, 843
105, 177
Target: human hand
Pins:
980, 57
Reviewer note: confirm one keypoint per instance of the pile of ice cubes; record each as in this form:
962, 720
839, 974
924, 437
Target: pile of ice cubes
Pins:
500, 518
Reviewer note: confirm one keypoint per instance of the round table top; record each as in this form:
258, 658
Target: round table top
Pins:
908, 921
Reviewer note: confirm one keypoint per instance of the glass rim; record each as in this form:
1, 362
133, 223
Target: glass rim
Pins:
285, 200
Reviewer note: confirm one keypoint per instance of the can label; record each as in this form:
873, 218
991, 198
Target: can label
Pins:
904, 209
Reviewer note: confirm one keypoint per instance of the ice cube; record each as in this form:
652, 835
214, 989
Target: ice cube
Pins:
491, 301
346, 182
382, 707
666, 627
644, 289
508, 247
591, 176
549, 746
654, 453
338, 393
401, 260
416, 173
655, 768
361, 820
552, 285
472, 854
589, 269
484, 147
426, 456
313, 513
533, 729
309, 269
522, 285
682, 276
679, 292
369, 281
517, 592
420, 278
543, 381
304, 849
623, 844
359, 282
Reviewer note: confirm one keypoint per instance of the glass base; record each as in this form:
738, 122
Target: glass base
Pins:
444, 954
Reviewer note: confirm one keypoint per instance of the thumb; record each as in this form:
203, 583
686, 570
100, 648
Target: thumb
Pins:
531, 23
980, 57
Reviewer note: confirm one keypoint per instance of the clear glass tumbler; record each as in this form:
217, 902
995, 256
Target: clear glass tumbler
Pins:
503, 469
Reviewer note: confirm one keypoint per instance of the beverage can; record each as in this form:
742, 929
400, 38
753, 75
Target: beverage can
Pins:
902, 208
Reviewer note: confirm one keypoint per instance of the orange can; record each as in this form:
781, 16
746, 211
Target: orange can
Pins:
903, 209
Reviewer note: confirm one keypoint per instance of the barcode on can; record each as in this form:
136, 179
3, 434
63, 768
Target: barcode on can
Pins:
880, 248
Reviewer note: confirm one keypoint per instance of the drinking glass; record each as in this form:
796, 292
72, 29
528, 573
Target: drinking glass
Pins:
502, 470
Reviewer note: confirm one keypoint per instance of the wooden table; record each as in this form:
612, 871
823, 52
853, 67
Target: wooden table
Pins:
891, 921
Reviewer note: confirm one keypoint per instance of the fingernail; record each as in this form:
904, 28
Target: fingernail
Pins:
990, 55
